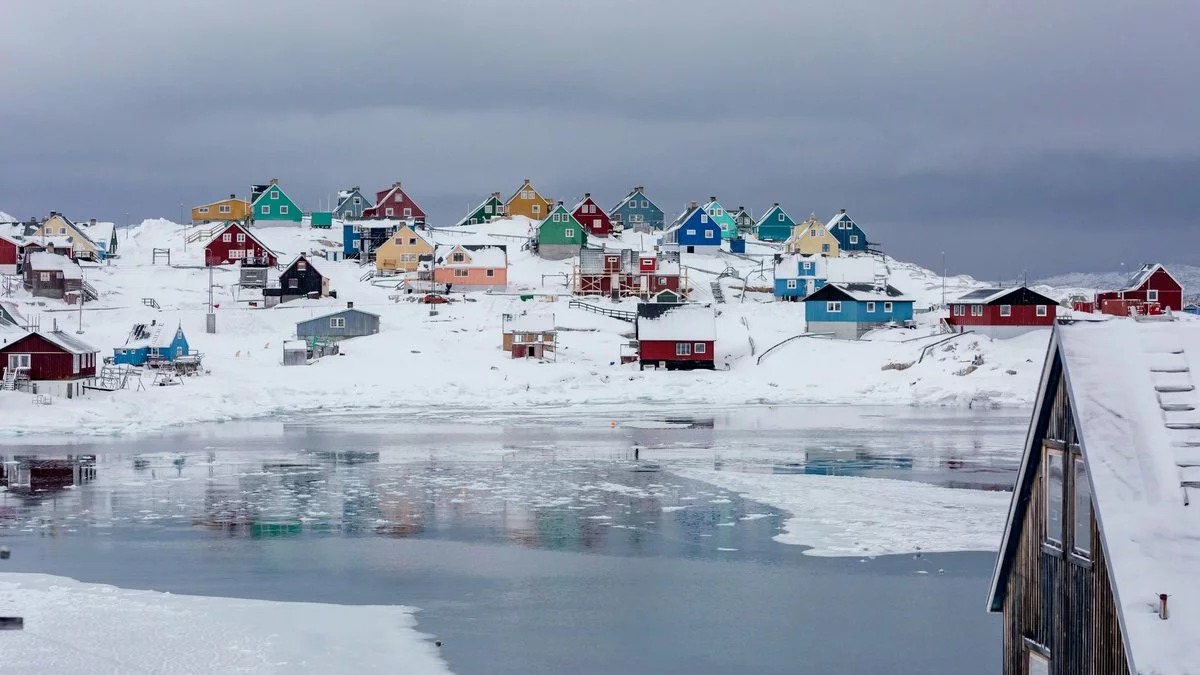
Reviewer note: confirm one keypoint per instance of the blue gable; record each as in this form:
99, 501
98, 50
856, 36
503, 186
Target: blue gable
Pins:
142, 351
698, 229
351, 204
796, 278
637, 210
850, 236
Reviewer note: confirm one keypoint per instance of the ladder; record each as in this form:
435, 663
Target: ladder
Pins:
9, 383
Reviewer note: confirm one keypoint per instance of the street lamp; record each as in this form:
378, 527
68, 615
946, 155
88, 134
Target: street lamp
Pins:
943, 278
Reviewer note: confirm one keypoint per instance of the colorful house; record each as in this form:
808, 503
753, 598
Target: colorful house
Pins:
488, 209
58, 233
151, 344
625, 273
694, 232
812, 238
526, 201
1151, 290
848, 311
560, 235
273, 204
351, 204
394, 202
365, 237
593, 218
103, 235
775, 224
1002, 312
402, 252
637, 212
676, 336
744, 220
10, 255
52, 363
226, 209
529, 336
300, 279
50, 275
234, 243
723, 218
1099, 565
849, 235
340, 325
467, 267
797, 276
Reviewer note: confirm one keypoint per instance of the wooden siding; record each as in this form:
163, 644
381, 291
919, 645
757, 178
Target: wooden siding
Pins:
239, 209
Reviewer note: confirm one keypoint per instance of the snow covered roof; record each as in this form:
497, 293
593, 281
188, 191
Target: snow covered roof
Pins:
852, 270
101, 233
41, 261
1139, 433
64, 341
838, 216
249, 234
984, 296
530, 323
296, 345
158, 334
1141, 276
309, 260
683, 322
788, 266
682, 218
638, 192
863, 292
479, 255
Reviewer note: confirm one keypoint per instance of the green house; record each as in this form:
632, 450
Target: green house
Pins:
722, 218
560, 236
492, 207
272, 203
775, 225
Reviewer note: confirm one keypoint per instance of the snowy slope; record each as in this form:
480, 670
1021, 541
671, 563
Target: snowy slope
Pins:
1188, 275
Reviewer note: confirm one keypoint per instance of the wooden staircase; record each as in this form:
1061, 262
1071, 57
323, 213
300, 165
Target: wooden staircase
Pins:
605, 311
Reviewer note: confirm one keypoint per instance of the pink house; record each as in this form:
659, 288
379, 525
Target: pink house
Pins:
468, 267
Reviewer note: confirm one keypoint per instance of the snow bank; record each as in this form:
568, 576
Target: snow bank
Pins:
73, 627
852, 516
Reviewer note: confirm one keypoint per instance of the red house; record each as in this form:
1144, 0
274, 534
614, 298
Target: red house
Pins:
53, 363
625, 273
592, 217
10, 256
1151, 291
235, 244
675, 336
1002, 312
395, 203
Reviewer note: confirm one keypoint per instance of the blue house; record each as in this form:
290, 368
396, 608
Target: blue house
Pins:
150, 344
637, 212
847, 311
694, 232
797, 276
1192, 309
775, 224
850, 236
351, 204
366, 235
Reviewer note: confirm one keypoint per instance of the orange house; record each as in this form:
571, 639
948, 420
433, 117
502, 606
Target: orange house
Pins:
219, 212
468, 267
528, 202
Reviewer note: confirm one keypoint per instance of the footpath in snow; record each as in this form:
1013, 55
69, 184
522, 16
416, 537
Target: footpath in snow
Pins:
74, 627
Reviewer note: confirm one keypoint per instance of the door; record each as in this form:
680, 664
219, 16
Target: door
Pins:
530, 352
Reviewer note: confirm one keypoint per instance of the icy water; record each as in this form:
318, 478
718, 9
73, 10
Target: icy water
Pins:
539, 545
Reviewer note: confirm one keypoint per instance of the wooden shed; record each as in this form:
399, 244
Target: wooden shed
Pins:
529, 336
676, 336
339, 325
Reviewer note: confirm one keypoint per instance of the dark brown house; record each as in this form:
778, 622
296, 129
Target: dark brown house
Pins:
49, 275
1099, 568
300, 279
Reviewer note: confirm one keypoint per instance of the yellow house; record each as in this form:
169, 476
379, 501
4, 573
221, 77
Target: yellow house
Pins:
402, 251
59, 232
526, 201
226, 209
812, 238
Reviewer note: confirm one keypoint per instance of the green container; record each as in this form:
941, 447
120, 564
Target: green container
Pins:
322, 219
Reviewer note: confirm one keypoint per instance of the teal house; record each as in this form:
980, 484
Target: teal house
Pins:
722, 218
492, 207
270, 202
775, 224
560, 236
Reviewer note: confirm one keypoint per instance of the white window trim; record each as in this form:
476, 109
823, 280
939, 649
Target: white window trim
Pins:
265, 209
1045, 478
887, 307
1152, 295
283, 209
833, 306
226, 238
699, 348
274, 194
569, 232
683, 349
337, 322
791, 284
1043, 310
1005, 310
203, 209
870, 307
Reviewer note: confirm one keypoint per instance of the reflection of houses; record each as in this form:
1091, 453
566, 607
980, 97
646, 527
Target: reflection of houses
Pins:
29, 475
626, 273
1099, 565
529, 336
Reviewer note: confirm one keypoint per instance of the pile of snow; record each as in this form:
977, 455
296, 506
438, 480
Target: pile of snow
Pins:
73, 627
840, 515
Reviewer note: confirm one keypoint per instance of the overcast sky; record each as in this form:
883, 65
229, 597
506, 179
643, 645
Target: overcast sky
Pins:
1018, 135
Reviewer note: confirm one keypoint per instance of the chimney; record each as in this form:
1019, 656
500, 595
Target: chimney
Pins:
640, 188
350, 305
842, 211
232, 196
274, 181
396, 184
775, 204
1162, 606
53, 213
560, 202
527, 181
712, 199
694, 205
587, 195
92, 221
742, 208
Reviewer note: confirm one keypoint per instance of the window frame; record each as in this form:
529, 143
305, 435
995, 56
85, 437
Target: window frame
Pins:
1048, 541
683, 349
699, 348
1036, 651
1077, 465
1006, 310
226, 238
1152, 295
870, 307
337, 322
887, 307
1043, 310
569, 232
833, 306
791, 284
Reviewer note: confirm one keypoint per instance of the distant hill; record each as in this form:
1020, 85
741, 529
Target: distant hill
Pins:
1188, 275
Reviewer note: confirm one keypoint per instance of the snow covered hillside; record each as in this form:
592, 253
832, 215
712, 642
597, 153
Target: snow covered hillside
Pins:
451, 363
1188, 275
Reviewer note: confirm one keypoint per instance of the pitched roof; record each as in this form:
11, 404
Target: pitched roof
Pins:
640, 190
485, 202
347, 310
682, 322
524, 186
788, 266
860, 293
152, 335
530, 323
267, 190
1141, 276
984, 296
481, 255
308, 261
1141, 447
222, 201
42, 261
683, 218
246, 230
101, 233
836, 217
66, 342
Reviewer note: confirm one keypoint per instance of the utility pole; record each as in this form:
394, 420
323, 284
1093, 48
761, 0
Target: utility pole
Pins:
81, 300
210, 320
943, 278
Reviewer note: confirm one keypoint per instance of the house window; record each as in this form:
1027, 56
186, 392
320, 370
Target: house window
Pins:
824, 248
358, 200
976, 310
75, 363
301, 266
1082, 536
569, 232
412, 241
265, 210
225, 208
408, 213
293, 283
645, 203
708, 234
18, 360
62, 231
791, 284
870, 307
1151, 295
45, 276
537, 208
1005, 310
662, 281
781, 216
703, 217
854, 239
488, 209
236, 253
1052, 477
683, 349
887, 307
691, 233
241, 238
399, 241
388, 211
833, 307
490, 273
1041, 310
460, 272
337, 322
1039, 663
203, 209
528, 194
807, 266
283, 209
457, 257
699, 348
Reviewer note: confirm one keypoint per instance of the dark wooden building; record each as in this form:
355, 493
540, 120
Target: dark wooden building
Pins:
676, 336
1099, 568
300, 279
1002, 312
49, 275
